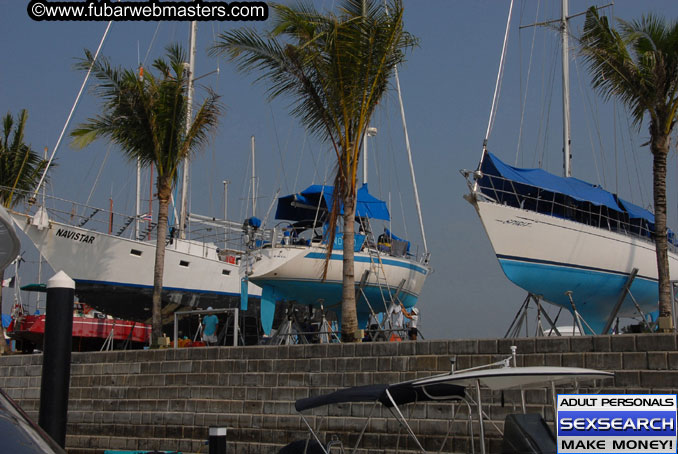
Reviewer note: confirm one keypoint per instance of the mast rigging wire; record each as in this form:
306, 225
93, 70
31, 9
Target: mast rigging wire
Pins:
70, 115
500, 76
527, 85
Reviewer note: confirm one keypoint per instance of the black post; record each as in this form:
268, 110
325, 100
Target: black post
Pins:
56, 359
217, 440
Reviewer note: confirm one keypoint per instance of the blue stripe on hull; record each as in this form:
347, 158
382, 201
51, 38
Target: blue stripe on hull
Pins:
366, 259
594, 292
312, 292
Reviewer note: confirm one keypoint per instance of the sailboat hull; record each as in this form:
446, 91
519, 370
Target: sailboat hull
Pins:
294, 273
115, 274
549, 256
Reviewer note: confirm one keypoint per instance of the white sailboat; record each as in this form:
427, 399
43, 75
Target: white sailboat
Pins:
114, 273
567, 241
289, 268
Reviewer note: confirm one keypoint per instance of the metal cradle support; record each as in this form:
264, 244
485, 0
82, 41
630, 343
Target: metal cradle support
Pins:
289, 332
640, 311
626, 290
520, 319
579, 320
361, 291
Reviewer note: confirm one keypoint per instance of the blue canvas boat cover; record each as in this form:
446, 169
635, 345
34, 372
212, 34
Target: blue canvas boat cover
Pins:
302, 206
636, 212
572, 187
401, 393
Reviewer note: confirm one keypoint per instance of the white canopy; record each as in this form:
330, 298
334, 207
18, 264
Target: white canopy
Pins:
516, 377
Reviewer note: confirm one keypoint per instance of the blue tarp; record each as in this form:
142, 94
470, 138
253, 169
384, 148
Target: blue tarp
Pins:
6, 320
391, 235
302, 206
253, 222
636, 212
572, 187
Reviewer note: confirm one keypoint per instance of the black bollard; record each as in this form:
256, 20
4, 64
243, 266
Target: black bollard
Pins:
217, 440
56, 359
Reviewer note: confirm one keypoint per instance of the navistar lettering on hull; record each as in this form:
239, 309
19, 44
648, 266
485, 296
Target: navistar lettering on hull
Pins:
75, 236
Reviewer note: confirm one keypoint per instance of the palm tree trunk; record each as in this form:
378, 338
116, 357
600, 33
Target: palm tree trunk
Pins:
3, 344
660, 147
349, 316
164, 191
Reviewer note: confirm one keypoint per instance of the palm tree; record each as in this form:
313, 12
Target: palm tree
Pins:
638, 64
146, 116
336, 69
20, 172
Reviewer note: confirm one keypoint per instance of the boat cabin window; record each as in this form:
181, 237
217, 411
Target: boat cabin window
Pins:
135, 252
184, 263
226, 272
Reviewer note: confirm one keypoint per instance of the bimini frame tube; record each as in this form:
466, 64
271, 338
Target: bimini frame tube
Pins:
362, 432
310, 429
480, 419
403, 421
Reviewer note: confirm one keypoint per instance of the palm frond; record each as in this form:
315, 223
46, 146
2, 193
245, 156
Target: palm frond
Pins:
20, 167
146, 114
636, 63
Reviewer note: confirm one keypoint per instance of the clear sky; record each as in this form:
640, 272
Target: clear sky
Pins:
447, 86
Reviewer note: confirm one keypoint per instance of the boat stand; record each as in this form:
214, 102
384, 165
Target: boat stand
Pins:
650, 327
289, 332
578, 319
625, 291
361, 291
520, 319
326, 334
108, 343
128, 339
198, 333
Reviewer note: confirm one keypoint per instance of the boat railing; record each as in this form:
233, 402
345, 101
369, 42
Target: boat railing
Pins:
276, 237
532, 198
214, 234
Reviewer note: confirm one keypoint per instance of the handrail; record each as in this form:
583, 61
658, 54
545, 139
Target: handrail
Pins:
571, 209
74, 214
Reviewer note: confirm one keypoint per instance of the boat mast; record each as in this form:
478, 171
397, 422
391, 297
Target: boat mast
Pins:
137, 235
189, 115
409, 157
365, 157
254, 186
225, 211
567, 157
369, 132
137, 221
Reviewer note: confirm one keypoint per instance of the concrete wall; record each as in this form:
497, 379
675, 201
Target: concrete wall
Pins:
167, 399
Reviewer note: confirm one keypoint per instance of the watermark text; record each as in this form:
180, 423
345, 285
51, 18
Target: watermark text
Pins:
151, 10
